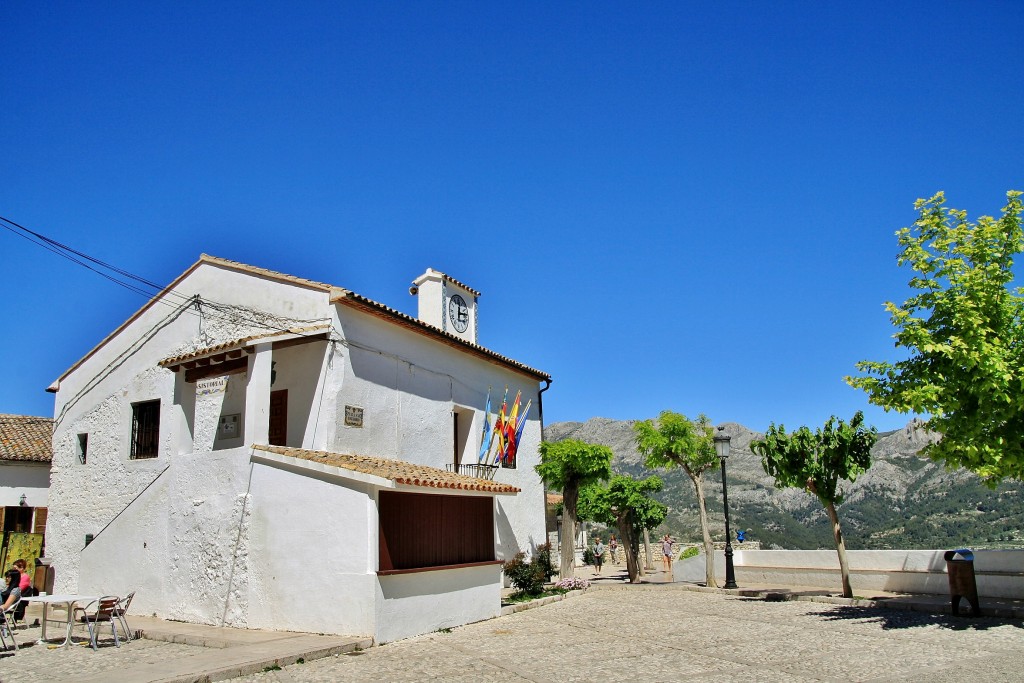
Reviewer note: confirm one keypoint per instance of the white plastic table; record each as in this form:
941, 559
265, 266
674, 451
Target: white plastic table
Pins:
67, 600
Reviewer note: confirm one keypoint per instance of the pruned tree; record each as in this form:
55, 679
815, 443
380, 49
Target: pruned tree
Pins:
675, 441
816, 462
568, 466
625, 503
964, 332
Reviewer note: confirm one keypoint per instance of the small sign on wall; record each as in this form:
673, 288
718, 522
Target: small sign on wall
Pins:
353, 416
227, 428
212, 385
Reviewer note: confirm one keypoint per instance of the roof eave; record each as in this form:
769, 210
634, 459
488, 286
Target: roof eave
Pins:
353, 300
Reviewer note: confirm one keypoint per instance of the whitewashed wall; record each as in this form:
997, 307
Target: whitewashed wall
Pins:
29, 479
422, 602
408, 385
897, 571
97, 399
313, 546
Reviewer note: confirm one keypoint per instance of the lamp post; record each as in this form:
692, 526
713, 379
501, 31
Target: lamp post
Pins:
722, 450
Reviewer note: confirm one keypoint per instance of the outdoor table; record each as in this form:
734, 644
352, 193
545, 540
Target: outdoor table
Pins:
69, 601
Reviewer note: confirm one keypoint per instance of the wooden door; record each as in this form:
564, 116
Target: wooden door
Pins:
278, 418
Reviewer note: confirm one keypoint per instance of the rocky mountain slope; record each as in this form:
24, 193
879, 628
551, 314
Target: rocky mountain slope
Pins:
903, 501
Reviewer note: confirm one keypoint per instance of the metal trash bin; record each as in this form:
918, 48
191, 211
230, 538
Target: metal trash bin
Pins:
960, 566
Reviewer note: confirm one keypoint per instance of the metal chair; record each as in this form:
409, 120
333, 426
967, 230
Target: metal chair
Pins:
119, 612
7, 627
96, 612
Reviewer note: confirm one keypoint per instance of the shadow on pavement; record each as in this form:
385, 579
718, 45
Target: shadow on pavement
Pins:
894, 619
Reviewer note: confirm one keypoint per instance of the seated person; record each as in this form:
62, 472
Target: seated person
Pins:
11, 594
26, 579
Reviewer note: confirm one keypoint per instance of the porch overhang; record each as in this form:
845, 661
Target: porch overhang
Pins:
380, 472
231, 356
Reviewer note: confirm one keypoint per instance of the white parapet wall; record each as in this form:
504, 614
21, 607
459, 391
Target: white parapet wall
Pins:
999, 573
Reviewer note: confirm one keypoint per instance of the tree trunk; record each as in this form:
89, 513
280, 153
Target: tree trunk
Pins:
630, 544
567, 559
837, 532
709, 547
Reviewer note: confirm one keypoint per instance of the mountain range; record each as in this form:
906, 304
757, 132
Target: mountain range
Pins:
904, 500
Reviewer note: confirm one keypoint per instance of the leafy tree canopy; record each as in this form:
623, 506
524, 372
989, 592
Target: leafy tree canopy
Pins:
624, 496
964, 331
569, 463
676, 441
816, 461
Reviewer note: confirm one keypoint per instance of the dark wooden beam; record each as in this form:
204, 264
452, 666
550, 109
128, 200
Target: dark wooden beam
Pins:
300, 340
230, 367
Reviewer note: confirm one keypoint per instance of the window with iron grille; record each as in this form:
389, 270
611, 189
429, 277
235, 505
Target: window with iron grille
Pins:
145, 429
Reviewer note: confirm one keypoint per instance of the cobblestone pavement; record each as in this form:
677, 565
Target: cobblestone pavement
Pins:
660, 633
40, 664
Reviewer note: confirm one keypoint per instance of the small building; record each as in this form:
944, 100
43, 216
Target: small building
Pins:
25, 453
258, 450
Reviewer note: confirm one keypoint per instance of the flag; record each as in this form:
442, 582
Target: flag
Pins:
522, 422
511, 446
499, 429
516, 435
485, 443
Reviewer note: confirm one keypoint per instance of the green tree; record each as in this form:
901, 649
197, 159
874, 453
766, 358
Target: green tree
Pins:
816, 462
963, 329
675, 441
568, 466
625, 503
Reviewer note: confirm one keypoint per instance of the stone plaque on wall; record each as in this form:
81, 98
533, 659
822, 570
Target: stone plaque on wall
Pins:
213, 385
353, 416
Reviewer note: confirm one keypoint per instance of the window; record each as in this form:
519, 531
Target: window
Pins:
83, 447
420, 530
145, 429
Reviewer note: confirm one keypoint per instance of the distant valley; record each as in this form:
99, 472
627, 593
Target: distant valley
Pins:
904, 500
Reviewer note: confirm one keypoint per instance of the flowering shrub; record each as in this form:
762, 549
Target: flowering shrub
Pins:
529, 577
573, 583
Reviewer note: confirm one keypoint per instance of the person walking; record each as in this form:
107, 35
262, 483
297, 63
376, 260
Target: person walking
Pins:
598, 554
613, 547
666, 551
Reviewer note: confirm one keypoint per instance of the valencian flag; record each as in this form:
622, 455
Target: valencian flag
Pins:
485, 443
516, 433
508, 457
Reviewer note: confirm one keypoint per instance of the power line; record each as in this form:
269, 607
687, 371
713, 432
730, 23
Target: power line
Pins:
221, 311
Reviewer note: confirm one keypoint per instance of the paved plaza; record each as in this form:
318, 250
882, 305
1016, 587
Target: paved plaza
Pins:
647, 633
661, 633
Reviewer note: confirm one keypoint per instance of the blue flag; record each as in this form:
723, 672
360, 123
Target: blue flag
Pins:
485, 443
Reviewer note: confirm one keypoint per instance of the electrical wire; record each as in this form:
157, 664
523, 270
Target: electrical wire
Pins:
227, 313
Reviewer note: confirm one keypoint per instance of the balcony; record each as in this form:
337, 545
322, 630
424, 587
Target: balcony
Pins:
474, 470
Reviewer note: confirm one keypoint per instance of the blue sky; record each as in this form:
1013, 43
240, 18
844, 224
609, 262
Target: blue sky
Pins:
682, 206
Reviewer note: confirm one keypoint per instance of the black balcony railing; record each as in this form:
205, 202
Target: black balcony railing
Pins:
474, 470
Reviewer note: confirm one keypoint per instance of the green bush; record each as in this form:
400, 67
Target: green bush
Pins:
529, 577
692, 551
588, 556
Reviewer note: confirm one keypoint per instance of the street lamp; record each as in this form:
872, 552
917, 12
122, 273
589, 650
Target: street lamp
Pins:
722, 450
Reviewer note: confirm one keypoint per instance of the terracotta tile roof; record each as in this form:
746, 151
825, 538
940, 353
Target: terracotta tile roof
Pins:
398, 471
444, 278
26, 438
359, 301
239, 343
461, 284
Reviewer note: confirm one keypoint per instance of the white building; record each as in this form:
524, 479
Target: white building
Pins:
258, 450
25, 451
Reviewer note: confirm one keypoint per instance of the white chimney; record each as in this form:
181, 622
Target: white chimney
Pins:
447, 304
